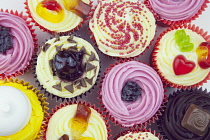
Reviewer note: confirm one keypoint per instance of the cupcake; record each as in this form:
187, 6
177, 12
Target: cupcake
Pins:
79, 121
181, 56
16, 44
67, 66
186, 116
58, 15
22, 110
138, 134
173, 12
122, 28
132, 93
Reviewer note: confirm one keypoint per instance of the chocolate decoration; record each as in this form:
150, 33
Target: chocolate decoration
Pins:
89, 81
92, 57
196, 120
58, 48
82, 83
51, 63
64, 137
70, 40
5, 39
70, 88
178, 103
58, 87
73, 48
57, 37
83, 50
89, 67
45, 47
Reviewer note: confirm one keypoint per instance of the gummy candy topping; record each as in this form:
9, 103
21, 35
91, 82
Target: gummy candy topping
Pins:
183, 41
131, 91
79, 123
203, 55
68, 65
50, 10
5, 39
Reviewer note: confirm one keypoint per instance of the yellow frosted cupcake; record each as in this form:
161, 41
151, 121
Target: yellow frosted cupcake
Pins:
22, 110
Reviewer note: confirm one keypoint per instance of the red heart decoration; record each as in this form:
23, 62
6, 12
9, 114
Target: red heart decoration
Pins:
182, 66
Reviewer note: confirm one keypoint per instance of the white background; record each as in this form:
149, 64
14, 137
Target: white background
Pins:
203, 22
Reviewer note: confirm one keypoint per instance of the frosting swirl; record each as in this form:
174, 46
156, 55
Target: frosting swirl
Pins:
168, 49
32, 128
144, 107
138, 136
18, 57
15, 110
122, 28
46, 76
175, 10
58, 124
175, 111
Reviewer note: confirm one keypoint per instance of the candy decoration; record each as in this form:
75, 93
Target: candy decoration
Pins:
183, 41
5, 39
79, 123
203, 55
78, 7
182, 66
50, 10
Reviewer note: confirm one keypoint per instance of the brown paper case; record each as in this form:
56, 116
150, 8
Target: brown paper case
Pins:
142, 125
136, 130
54, 32
40, 96
186, 26
166, 22
29, 65
47, 119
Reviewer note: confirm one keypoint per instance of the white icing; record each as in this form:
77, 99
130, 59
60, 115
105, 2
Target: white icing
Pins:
15, 110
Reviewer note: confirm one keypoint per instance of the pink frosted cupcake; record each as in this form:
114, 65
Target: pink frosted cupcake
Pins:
132, 93
17, 44
173, 12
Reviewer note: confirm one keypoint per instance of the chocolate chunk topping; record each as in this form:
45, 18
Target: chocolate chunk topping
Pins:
58, 48
64, 137
196, 120
58, 87
51, 63
70, 88
90, 81
92, 57
83, 50
82, 83
70, 40
57, 37
89, 67
45, 47
5, 39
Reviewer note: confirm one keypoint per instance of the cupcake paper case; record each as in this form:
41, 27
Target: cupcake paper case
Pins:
97, 127
122, 28
179, 102
120, 105
173, 65
67, 66
57, 18
176, 12
18, 46
22, 110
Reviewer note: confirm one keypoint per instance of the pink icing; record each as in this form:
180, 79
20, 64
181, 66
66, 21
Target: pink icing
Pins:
129, 114
18, 57
175, 10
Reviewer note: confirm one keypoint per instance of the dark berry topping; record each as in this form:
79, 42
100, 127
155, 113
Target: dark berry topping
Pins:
68, 65
131, 91
5, 39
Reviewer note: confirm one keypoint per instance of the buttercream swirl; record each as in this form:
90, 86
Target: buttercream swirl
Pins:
122, 28
175, 111
32, 128
48, 79
69, 22
175, 10
168, 49
18, 57
138, 136
58, 124
144, 107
